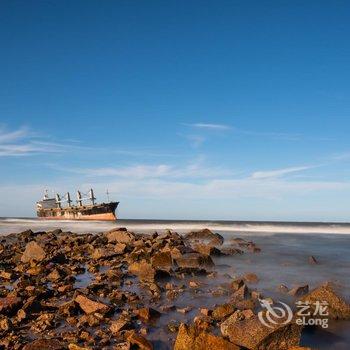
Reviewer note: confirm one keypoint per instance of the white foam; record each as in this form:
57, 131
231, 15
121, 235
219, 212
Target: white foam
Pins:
10, 225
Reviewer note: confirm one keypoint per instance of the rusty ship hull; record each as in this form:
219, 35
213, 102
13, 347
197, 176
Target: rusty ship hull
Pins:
103, 211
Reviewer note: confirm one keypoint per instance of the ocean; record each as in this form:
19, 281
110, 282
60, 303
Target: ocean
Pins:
285, 250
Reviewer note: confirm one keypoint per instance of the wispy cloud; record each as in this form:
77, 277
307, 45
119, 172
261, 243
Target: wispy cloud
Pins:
279, 172
210, 126
24, 142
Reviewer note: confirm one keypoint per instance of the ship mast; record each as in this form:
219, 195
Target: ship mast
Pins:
91, 195
79, 199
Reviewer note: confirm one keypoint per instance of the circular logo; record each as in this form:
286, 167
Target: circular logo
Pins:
273, 315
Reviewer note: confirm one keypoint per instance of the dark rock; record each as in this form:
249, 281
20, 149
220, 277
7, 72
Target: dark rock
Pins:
10, 305
312, 260
299, 291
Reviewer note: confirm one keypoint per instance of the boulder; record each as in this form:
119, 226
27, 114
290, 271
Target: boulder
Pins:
337, 308
143, 270
246, 330
120, 236
206, 249
33, 251
205, 234
190, 260
190, 337
162, 261
89, 306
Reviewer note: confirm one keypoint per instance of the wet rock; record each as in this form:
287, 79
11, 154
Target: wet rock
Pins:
89, 306
162, 261
179, 251
33, 251
45, 344
206, 249
102, 253
147, 314
312, 260
299, 291
120, 236
143, 270
237, 284
9, 305
119, 248
206, 234
247, 331
195, 260
282, 288
120, 324
141, 342
223, 311
251, 278
337, 308
189, 337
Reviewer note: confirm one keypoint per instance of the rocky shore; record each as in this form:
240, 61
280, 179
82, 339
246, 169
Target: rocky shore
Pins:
121, 290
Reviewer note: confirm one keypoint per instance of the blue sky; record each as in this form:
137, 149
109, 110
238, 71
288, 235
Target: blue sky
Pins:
182, 109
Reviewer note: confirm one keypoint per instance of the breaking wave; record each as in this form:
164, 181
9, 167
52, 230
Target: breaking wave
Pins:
11, 225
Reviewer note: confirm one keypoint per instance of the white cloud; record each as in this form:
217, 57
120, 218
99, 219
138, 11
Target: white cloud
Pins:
210, 126
278, 172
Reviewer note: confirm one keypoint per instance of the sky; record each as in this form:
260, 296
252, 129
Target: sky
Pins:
186, 109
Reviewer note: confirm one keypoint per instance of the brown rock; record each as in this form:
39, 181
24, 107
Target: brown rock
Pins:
251, 278
33, 251
206, 234
209, 341
120, 248
45, 344
141, 342
143, 270
147, 314
119, 325
250, 333
223, 311
206, 249
195, 260
162, 261
190, 338
338, 308
89, 306
9, 305
120, 236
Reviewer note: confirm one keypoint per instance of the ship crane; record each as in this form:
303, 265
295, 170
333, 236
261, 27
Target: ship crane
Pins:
86, 196
64, 199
